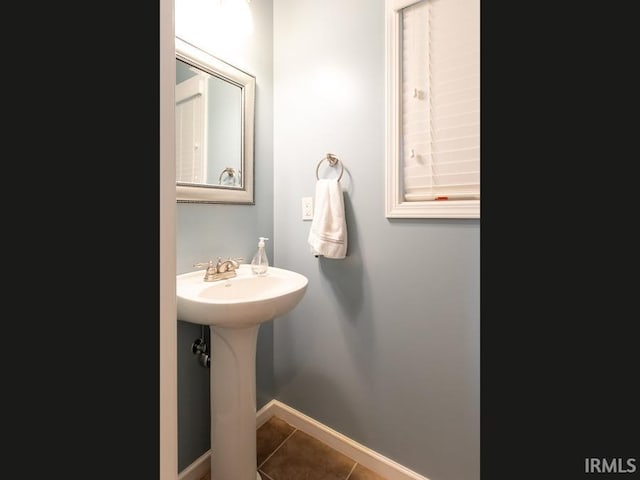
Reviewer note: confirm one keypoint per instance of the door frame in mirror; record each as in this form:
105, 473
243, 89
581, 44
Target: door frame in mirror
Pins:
206, 62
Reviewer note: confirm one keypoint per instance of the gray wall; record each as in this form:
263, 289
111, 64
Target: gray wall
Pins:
384, 347
206, 231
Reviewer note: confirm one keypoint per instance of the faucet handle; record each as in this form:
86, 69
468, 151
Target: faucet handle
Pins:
205, 265
212, 269
209, 265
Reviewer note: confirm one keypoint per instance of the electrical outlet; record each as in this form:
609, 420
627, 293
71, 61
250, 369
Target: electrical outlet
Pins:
307, 208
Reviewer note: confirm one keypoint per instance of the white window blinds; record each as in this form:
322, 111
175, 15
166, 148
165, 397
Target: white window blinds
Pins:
440, 121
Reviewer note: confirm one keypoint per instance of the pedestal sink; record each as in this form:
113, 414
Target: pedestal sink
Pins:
234, 309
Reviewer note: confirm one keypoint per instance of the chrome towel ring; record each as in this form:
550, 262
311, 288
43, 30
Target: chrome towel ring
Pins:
332, 159
232, 173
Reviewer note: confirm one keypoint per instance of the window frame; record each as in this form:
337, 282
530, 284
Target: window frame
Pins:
395, 204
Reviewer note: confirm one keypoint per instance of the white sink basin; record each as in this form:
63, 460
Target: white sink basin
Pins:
241, 301
234, 309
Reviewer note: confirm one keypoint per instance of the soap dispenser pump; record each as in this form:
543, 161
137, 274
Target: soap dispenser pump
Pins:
260, 262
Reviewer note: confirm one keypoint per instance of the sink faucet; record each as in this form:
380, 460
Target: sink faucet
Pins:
221, 270
229, 265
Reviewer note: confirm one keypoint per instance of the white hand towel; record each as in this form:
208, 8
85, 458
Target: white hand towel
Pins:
328, 234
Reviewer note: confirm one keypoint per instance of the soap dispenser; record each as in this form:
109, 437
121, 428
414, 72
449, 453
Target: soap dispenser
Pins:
260, 262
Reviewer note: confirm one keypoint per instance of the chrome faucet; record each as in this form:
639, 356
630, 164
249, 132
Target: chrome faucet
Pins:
221, 270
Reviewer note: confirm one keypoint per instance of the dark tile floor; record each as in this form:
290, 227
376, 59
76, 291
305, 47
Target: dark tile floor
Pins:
286, 453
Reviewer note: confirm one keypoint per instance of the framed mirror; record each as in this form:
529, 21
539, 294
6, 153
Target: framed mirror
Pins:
215, 109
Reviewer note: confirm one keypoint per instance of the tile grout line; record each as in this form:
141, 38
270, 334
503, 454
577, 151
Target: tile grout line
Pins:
277, 448
355, 464
263, 474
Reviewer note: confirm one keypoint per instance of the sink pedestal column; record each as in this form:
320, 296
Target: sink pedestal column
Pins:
233, 403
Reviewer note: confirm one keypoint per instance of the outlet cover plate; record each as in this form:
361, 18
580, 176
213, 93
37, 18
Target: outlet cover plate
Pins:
307, 208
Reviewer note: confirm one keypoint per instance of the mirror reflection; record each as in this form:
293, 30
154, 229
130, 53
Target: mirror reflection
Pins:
214, 129
208, 128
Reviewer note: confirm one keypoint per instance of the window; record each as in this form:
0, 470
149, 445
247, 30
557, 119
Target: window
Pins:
433, 108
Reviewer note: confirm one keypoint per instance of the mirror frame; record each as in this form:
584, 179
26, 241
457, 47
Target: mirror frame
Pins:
206, 62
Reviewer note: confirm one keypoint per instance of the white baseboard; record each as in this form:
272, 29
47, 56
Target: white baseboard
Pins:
364, 456
197, 469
